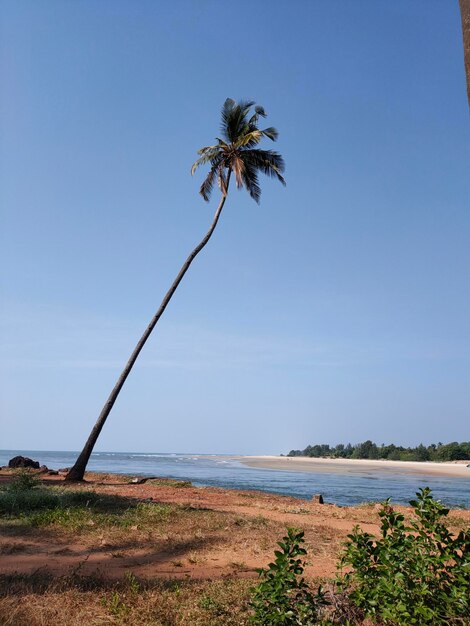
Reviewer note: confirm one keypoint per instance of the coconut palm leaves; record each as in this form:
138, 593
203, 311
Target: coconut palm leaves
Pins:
236, 152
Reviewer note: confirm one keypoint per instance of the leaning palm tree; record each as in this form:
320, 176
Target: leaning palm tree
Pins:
236, 152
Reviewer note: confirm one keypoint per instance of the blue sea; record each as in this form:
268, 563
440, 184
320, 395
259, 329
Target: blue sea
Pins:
344, 489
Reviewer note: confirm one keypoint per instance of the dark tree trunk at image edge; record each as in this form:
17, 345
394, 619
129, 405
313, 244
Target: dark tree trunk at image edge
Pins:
77, 472
465, 15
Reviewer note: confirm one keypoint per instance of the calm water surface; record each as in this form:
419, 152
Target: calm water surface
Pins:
224, 471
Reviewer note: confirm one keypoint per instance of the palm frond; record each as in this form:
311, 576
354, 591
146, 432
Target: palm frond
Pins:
267, 161
225, 115
249, 139
207, 149
208, 183
208, 157
234, 119
251, 182
271, 133
228, 106
245, 106
259, 112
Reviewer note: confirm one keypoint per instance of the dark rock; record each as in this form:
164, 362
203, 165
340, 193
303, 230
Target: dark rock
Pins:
44, 469
53, 472
23, 461
317, 498
64, 470
139, 481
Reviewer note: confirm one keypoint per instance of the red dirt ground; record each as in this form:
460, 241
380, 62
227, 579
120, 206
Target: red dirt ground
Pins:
250, 524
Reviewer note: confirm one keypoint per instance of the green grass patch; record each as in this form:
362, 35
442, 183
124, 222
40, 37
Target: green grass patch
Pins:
169, 482
87, 512
78, 510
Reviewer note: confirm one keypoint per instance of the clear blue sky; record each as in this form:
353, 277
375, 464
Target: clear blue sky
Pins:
337, 310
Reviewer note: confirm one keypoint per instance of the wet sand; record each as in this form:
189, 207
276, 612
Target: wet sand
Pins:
456, 469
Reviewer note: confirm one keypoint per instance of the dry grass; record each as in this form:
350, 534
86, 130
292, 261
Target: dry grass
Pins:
41, 601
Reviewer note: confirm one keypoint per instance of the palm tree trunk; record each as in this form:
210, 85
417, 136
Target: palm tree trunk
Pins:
77, 472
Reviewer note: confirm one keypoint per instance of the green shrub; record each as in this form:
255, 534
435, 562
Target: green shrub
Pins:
416, 573
283, 596
24, 493
25, 497
23, 481
26, 501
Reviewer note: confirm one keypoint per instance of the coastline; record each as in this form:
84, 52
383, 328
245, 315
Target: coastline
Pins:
343, 482
456, 469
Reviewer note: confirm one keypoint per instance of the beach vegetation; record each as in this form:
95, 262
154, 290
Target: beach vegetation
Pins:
170, 482
235, 153
417, 572
283, 597
22, 481
369, 450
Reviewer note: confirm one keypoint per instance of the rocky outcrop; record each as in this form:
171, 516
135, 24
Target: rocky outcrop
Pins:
22, 462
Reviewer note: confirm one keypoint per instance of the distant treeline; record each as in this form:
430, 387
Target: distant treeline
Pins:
368, 450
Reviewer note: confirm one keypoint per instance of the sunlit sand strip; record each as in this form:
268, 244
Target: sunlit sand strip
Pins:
356, 466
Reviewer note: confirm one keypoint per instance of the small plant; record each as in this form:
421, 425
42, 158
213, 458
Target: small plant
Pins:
23, 481
283, 596
132, 583
169, 482
115, 605
212, 606
416, 573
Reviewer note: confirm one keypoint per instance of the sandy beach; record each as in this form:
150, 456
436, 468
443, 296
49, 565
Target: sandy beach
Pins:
356, 466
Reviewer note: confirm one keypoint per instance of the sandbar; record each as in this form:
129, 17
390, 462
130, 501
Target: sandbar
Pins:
356, 466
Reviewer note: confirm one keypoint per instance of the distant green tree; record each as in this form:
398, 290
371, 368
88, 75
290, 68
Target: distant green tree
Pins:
422, 453
452, 452
366, 450
339, 450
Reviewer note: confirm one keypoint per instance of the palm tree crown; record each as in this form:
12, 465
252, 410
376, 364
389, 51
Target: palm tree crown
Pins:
236, 152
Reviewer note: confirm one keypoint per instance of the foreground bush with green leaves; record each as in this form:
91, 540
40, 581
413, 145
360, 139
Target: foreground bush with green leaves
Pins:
416, 573
283, 596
